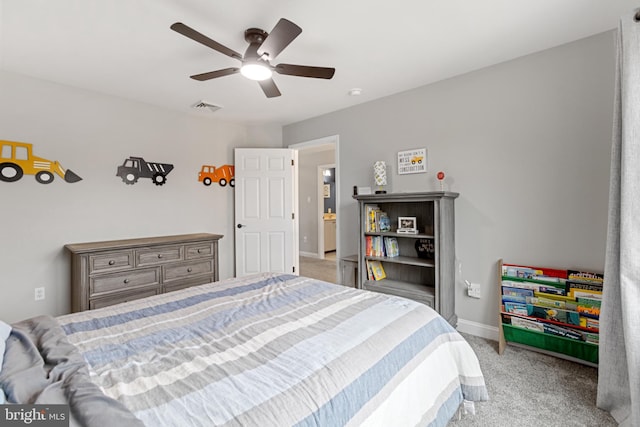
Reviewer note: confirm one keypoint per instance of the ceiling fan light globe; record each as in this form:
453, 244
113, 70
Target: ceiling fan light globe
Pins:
256, 72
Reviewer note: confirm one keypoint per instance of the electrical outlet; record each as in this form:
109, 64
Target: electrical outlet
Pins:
473, 290
39, 294
304, 239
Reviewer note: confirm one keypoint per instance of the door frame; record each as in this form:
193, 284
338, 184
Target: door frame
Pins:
335, 141
320, 183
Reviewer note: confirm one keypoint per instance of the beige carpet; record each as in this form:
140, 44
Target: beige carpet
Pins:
321, 269
530, 389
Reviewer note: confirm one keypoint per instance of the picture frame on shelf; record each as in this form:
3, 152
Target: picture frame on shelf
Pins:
363, 190
407, 224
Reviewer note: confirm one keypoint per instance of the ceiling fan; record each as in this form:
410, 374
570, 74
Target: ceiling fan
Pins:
256, 62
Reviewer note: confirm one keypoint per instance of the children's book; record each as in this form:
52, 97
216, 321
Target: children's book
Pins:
377, 270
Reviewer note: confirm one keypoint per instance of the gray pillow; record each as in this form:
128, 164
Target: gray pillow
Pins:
5, 331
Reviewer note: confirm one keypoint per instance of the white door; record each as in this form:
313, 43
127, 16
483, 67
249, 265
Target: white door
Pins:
266, 210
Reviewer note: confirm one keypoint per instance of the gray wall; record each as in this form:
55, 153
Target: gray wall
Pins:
308, 161
526, 143
92, 134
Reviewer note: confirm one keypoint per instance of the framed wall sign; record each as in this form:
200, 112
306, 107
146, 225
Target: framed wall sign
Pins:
412, 161
326, 191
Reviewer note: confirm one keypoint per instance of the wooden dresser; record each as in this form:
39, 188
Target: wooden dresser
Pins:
111, 272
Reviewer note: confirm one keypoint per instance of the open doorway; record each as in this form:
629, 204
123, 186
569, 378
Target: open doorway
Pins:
315, 222
327, 230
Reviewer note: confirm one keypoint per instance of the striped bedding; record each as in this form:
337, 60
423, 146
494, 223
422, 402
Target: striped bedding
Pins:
277, 350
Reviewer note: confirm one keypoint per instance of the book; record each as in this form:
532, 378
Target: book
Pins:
378, 249
519, 295
514, 298
592, 338
587, 286
546, 295
552, 303
535, 273
370, 215
369, 271
391, 247
521, 285
591, 323
559, 315
532, 325
589, 307
562, 332
384, 222
585, 276
515, 308
368, 245
377, 270
552, 290
508, 290
581, 293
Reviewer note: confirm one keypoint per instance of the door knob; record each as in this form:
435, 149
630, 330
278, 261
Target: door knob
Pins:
240, 225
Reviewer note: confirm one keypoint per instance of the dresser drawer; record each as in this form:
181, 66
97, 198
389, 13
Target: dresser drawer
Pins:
186, 269
158, 255
107, 283
119, 297
188, 282
110, 261
199, 250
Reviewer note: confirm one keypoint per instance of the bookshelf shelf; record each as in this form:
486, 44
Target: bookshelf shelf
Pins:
406, 260
428, 279
403, 235
551, 320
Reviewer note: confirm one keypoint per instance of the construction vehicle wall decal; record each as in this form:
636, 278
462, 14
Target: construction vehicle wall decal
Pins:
16, 159
223, 175
136, 167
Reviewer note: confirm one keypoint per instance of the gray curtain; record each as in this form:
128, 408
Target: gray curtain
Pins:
619, 361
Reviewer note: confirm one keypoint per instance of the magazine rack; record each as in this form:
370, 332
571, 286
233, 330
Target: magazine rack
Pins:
536, 330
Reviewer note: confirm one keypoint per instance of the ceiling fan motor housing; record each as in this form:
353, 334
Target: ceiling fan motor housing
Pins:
255, 37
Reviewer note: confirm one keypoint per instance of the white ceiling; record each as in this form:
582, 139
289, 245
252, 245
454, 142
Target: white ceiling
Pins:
125, 47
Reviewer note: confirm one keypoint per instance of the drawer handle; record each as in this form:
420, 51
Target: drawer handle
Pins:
111, 262
126, 280
159, 255
199, 250
189, 270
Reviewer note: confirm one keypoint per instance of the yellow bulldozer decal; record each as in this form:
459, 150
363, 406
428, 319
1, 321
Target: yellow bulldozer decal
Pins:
16, 159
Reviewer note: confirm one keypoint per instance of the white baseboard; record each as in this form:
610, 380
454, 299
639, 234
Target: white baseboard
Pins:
309, 254
478, 329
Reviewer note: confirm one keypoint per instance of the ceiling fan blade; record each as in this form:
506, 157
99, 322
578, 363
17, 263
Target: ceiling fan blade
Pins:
215, 74
187, 31
282, 34
305, 71
269, 88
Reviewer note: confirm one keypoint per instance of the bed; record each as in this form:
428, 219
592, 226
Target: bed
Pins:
263, 350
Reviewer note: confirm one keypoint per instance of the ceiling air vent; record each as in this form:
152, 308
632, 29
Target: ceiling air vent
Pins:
202, 105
